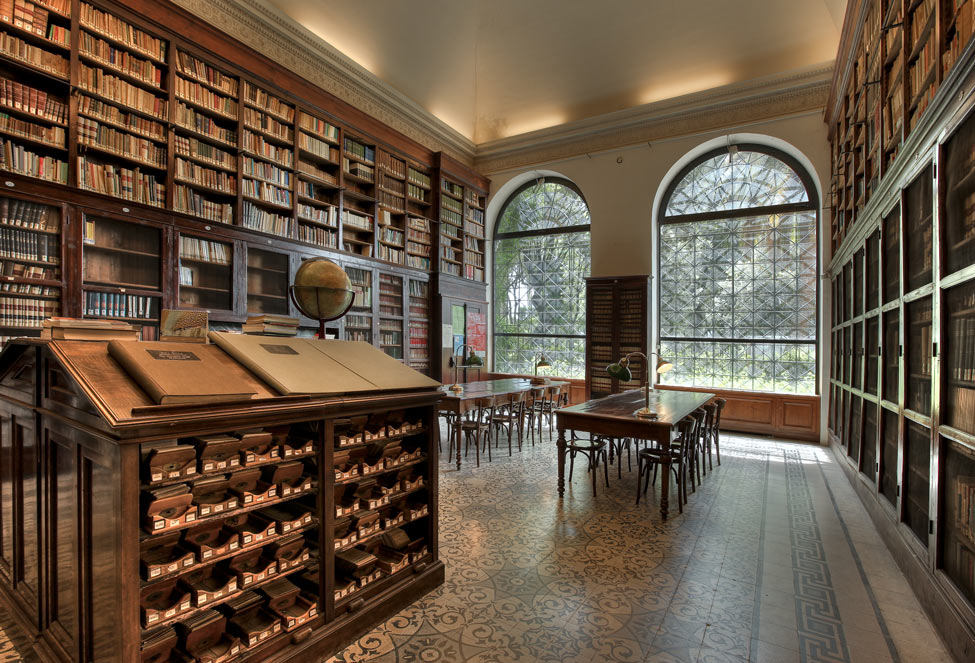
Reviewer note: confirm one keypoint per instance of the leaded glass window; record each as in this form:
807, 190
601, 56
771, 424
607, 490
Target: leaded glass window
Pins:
541, 261
738, 264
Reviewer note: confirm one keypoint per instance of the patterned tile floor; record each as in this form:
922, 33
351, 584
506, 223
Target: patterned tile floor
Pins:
774, 560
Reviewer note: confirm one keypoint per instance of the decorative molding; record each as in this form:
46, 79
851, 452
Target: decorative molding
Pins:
269, 31
732, 105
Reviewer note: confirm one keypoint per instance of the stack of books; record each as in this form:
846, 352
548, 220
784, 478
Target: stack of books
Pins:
271, 325
77, 329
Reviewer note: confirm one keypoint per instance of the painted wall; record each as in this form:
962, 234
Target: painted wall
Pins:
622, 185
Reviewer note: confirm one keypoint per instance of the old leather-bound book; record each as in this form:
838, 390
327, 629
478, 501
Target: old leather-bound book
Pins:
176, 373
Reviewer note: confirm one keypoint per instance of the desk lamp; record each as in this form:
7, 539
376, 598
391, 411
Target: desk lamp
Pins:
621, 371
472, 360
542, 362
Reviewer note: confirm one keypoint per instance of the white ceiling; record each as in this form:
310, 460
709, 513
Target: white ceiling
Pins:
497, 68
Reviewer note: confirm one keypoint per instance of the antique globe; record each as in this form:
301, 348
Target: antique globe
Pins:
322, 291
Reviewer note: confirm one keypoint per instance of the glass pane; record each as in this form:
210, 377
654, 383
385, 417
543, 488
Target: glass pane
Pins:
919, 228
917, 471
853, 433
786, 368
959, 366
544, 206
205, 274
736, 181
857, 283
957, 529
358, 322
892, 255
519, 354
857, 356
868, 455
267, 282
872, 278
888, 457
918, 397
891, 356
121, 254
391, 315
959, 179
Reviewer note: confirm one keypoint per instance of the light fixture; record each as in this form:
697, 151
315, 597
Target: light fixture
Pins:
621, 371
472, 360
542, 362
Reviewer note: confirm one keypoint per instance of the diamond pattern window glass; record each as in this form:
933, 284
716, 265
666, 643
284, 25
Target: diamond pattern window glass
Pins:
541, 261
738, 287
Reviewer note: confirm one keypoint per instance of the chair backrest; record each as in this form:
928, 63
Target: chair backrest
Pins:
484, 408
538, 394
711, 410
686, 431
719, 403
552, 394
517, 398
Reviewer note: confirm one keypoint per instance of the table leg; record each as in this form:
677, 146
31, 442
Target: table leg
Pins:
561, 446
665, 476
457, 434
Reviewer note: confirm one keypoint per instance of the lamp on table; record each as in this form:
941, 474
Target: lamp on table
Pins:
621, 371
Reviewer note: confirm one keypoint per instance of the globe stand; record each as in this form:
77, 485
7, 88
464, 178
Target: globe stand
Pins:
323, 295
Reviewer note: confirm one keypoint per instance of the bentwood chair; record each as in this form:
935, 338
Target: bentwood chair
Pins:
594, 449
675, 454
478, 427
510, 414
716, 430
534, 408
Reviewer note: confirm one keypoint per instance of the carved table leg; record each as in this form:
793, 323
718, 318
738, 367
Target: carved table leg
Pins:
561, 446
457, 433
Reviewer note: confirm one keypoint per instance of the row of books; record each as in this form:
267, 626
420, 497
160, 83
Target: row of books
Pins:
25, 15
471, 258
472, 243
203, 250
919, 19
255, 119
267, 101
318, 147
315, 171
419, 289
473, 230
32, 100
190, 201
114, 88
255, 218
32, 216
190, 90
353, 321
358, 169
318, 235
415, 192
120, 59
392, 202
318, 127
473, 198
117, 305
128, 183
921, 68
449, 252
100, 110
418, 262
451, 187
114, 27
328, 215
420, 225
451, 217
214, 179
18, 159
256, 144
11, 268
450, 268
27, 312
358, 335
266, 171
18, 49
122, 143
477, 216
266, 192
391, 235
452, 204
392, 165
449, 232
473, 273
188, 118
356, 220
51, 135
25, 245
29, 289
192, 147
194, 67
418, 178
357, 149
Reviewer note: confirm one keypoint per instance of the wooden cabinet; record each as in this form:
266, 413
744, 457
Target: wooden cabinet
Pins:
96, 565
617, 323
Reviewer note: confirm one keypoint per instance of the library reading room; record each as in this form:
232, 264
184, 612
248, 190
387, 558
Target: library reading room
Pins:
487, 331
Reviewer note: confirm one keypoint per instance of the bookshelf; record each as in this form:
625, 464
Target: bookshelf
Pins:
205, 274
267, 162
268, 279
918, 212
916, 481
959, 518
122, 272
918, 354
317, 185
451, 227
419, 325
391, 187
868, 459
359, 209
359, 321
391, 315
617, 315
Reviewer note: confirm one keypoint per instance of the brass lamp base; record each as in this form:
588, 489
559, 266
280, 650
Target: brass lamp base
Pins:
457, 388
646, 413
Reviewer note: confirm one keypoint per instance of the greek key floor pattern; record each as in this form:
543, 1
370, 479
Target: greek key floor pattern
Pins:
773, 560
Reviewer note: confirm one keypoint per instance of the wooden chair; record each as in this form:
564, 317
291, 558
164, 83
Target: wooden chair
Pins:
510, 414
594, 449
534, 409
704, 440
716, 430
478, 427
676, 453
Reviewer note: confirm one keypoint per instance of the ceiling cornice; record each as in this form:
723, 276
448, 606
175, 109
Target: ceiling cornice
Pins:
731, 105
269, 31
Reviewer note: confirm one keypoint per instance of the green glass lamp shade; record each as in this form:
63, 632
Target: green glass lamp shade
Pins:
473, 360
619, 371
543, 362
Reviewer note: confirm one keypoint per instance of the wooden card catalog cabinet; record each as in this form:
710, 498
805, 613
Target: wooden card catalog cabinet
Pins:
131, 531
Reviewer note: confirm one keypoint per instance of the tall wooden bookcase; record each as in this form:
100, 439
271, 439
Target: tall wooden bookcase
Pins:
617, 323
227, 169
902, 368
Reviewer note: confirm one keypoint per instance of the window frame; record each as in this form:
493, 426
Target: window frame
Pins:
812, 205
495, 236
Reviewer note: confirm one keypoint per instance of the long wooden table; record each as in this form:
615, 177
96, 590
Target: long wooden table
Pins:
460, 403
613, 416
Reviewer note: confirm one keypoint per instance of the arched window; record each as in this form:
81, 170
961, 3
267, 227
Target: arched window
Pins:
541, 261
737, 273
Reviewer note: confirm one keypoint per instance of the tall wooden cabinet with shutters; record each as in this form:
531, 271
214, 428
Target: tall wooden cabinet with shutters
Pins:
617, 323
